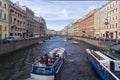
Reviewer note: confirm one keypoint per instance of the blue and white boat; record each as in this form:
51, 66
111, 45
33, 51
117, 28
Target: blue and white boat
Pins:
48, 72
108, 68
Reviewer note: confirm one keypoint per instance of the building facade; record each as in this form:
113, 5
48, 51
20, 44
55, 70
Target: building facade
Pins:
86, 25
4, 17
51, 32
70, 30
17, 20
42, 28
109, 20
97, 22
29, 21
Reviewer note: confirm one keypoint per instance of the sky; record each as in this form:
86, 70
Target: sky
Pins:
59, 14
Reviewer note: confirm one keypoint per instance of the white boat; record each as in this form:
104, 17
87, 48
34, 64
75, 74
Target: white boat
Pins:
65, 39
108, 68
42, 71
75, 42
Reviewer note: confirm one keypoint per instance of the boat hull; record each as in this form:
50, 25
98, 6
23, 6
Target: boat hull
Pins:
41, 77
47, 72
95, 66
103, 66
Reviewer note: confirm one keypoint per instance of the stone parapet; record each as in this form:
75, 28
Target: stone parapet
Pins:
16, 45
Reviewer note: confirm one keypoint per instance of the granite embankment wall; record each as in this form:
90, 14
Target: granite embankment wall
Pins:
93, 42
16, 45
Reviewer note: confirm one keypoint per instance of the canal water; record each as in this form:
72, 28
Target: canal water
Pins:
17, 65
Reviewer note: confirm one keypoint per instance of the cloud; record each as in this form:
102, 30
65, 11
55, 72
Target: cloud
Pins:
65, 13
53, 11
90, 8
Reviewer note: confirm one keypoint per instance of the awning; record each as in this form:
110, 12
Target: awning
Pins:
115, 47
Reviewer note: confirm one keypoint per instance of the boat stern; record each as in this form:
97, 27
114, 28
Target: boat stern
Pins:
41, 77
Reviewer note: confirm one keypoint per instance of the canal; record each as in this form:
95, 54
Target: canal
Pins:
17, 65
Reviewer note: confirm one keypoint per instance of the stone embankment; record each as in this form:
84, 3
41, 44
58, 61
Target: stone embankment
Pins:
16, 45
96, 43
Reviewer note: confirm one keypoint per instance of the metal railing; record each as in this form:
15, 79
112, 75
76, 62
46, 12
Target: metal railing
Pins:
109, 75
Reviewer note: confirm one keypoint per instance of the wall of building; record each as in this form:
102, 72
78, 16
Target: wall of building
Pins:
109, 27
29, 21
4, 25
17, 20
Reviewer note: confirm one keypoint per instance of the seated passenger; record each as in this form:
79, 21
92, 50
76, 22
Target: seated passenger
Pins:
50, 62
41, 64
41, 59
46, 58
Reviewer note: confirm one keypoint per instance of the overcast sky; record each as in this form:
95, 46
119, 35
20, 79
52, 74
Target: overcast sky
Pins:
61, 13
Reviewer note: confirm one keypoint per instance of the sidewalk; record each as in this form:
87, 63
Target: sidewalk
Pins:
105, 45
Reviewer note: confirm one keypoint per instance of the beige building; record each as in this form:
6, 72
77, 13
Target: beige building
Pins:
4, 25
70, 30
107, 20
75, 28
17, 20
97, 23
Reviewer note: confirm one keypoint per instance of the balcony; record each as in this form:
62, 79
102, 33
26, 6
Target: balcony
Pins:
3, 20
13, 14
1, 8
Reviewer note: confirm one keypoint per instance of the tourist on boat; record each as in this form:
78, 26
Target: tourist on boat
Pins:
41, 64
41, 60
46, 59
50, 61
49, 54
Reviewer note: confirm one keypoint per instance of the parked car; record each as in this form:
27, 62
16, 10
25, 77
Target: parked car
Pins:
12, 38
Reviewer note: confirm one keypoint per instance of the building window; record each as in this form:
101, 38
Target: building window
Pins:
0, 3
116, 17
4, 5
0, 36
5, 35
5, 28
0, 14
4, 16
11, 20
113, 18
113, 26
116, 25
0, 27
116, 9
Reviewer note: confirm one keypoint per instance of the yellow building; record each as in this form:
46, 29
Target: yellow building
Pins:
107, 20
4, 25
75, 28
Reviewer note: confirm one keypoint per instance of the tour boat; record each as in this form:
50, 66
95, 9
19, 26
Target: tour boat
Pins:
107, 67
46, 71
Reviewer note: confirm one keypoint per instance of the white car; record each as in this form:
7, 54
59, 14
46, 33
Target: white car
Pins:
12, 38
